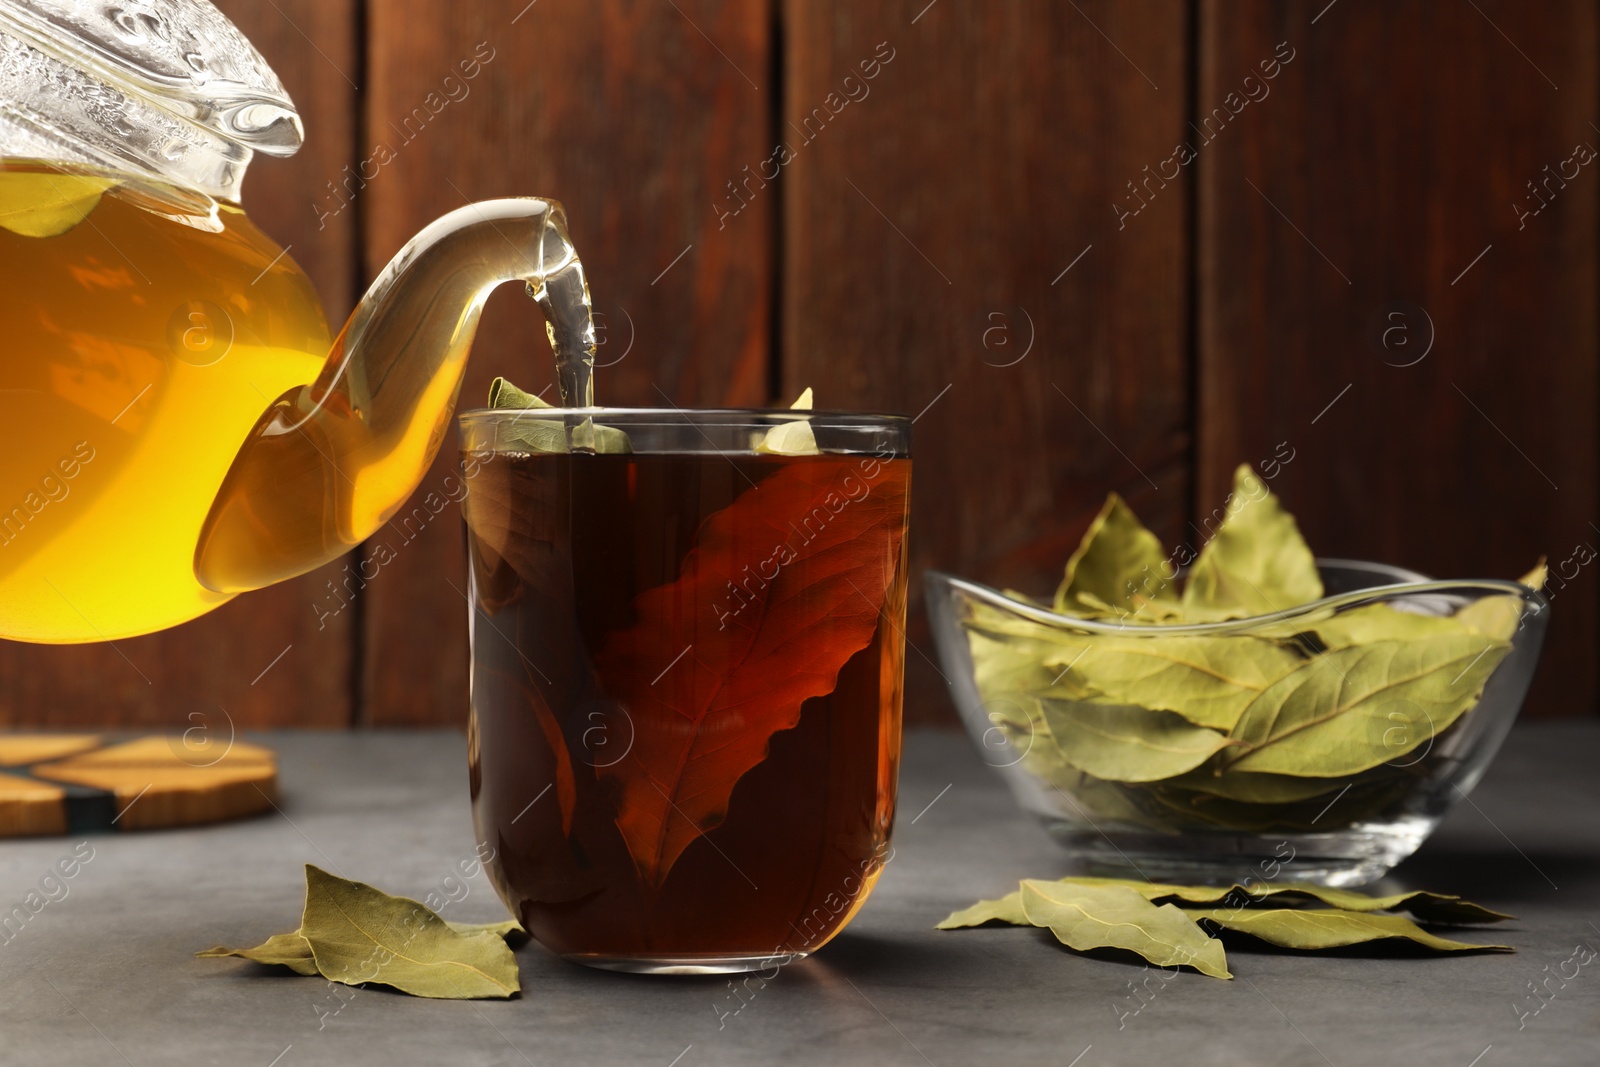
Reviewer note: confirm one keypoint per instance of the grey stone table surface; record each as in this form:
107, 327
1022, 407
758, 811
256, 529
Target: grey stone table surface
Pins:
106, 973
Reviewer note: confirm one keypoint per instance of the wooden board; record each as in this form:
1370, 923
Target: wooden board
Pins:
263, 659
951, 249
19, 750
635, 115
1386, 166
59, 784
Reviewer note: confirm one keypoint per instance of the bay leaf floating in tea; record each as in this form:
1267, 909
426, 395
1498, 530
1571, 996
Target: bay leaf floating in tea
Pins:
1246, 730
793, 438
1166, 924
353, 933
699, 728
548, 435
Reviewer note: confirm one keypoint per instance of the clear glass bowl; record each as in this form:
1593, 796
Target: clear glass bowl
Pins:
1338, 831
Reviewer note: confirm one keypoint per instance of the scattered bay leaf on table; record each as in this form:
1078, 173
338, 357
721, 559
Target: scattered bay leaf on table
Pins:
1087, 917
503, 928
281, 950
1310, 929
360, 934
1007, 909
1256, 562
1119, 563
1428, 907
1331, 717
1128, 743
705, 723
1163, 922
293, 951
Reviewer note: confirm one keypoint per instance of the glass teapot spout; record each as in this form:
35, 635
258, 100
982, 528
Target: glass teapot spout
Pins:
329, 463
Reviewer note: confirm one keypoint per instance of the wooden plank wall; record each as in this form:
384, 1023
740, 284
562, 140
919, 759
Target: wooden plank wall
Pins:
928, 234
1392, 153
632, 114
980, 216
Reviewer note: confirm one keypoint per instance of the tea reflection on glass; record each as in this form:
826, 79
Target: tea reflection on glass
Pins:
686, 680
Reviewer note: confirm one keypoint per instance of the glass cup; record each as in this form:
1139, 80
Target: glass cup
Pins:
687, 652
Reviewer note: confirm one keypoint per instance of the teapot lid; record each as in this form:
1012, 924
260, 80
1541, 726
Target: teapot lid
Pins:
164, 87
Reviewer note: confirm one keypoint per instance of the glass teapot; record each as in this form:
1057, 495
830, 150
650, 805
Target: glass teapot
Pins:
176, 424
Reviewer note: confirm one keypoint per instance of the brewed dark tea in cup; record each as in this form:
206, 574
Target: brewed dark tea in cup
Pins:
687, 653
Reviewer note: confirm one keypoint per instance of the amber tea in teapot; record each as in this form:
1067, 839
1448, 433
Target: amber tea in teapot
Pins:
146, 330
178, 427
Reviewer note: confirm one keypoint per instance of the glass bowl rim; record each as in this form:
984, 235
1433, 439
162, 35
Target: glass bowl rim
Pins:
1412, 583
689, 416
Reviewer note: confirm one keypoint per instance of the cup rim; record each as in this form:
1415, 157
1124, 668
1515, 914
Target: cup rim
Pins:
1419, 584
